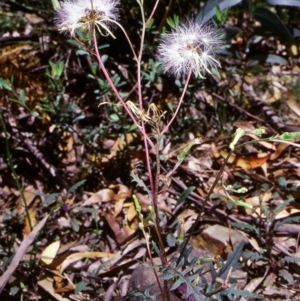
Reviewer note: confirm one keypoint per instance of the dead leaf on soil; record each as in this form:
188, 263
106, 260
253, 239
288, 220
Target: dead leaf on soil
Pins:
47, 285
292, 103
247, 162
100, 196
50, 252
81, 255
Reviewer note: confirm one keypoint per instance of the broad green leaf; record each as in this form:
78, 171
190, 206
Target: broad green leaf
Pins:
271, 23
5, 84
209, 10
284, 2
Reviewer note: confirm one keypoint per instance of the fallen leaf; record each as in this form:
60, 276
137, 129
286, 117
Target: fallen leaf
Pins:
78, 256
50, 252
47, 285
292, 103
100, 196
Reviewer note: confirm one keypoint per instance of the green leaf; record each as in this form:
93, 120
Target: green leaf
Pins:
209, 10
171, 240
288, 220
231, 292
150, 24
287, 276
245, 226
284, 2
80, 286
76, 186
22, 96
232, 261
270, 23
156, 249
291, 259
187, 148
5, 84
114, 117
75, 225
185, 194
289, 135
56, 5
173, 22
135, 178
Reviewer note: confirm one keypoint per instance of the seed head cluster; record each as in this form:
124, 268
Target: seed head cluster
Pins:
190, 47
81, 13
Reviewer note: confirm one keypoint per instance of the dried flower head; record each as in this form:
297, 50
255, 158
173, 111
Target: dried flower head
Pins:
82, 13
188, 48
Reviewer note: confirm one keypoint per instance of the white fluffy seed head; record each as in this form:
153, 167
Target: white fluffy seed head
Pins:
79, 14
189, 48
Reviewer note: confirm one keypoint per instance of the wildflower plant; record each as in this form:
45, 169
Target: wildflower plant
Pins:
189, 49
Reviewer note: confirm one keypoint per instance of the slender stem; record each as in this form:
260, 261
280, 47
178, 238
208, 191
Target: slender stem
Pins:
140, 97
114, 88
179, 103
155, 202
127, 37
154, 183
152, 13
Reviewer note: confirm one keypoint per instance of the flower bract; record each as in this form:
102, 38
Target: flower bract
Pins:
190, 47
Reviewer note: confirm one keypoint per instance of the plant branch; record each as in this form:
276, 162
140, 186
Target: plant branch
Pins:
179, 103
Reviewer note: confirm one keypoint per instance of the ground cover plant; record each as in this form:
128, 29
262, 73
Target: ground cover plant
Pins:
149, 150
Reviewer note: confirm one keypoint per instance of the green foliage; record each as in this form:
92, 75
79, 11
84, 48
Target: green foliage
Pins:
140, 182
181, 276
244, 226
144, 295
173, 22
186, 275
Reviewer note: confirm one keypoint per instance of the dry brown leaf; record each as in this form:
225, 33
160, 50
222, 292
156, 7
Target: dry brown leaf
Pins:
256, 201
119, 206
246, 162
285, 213
131, 213
292, 103
279, 150
119, 230
102, 195
123, 193
81, 255
50, 252
252, 162
47, 285
223, 234
29, 195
